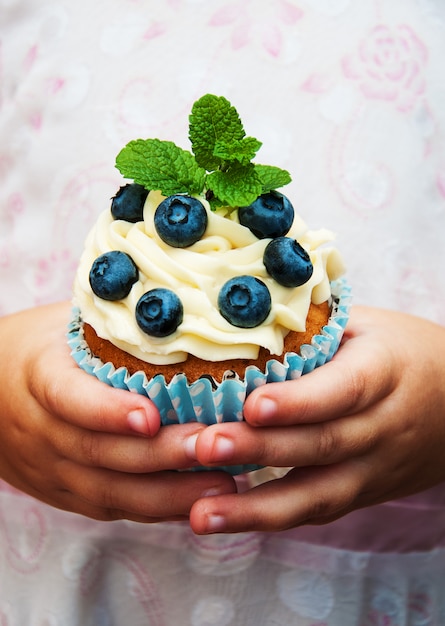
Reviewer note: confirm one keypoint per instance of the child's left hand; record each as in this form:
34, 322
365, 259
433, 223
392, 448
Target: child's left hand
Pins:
367, 427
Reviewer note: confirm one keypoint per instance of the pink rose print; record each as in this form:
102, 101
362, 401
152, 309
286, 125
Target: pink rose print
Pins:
389, 65
251, 23
376, 618
421, 605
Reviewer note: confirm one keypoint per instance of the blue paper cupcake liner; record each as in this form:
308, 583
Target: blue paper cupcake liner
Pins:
203, 400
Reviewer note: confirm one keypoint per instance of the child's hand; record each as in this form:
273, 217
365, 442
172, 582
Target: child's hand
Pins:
365, 428
77, 444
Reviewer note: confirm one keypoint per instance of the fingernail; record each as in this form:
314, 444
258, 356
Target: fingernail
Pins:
222, 449
215, 524
190, 447
266, 409
213, 491
137, 421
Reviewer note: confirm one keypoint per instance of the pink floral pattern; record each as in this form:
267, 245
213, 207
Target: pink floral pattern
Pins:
348, 97
248, 22
376, 618
389, 65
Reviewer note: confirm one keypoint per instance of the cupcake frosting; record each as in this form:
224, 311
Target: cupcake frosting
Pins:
196, 274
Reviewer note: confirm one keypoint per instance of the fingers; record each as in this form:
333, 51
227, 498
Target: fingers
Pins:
107, 495
359, 375
304, 496
63, 389
168, 450
305, 445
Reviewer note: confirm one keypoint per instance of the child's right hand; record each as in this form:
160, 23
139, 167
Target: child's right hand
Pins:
79, 445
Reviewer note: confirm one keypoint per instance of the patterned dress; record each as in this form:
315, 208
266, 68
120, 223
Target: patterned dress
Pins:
349, 96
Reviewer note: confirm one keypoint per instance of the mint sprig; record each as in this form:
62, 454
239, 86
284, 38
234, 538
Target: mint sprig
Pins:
220, 166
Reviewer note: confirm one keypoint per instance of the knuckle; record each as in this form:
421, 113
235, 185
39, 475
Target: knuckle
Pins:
107, 499
305, 409
92, 492
107, 504
356, 384
101, 418
106, 514
359, 388
112, 515
327, 444
263, 450
90, 449
321, 508
49, 392
336, 497
324, 507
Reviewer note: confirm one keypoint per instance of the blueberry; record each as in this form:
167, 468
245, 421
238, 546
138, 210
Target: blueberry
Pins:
244, 301
270, 215
159, 312
112, 275
128, 203
287, 262
180, 221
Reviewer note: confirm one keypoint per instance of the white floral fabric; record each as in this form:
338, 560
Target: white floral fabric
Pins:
349, 96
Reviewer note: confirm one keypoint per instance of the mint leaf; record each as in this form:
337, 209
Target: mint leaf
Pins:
272, 177
221, 164
238, 186
161, 165
213, 120
238, 150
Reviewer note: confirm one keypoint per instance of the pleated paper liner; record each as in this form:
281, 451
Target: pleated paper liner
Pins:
205, 400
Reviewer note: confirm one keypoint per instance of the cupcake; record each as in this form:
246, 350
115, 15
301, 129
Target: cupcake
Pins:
200, 281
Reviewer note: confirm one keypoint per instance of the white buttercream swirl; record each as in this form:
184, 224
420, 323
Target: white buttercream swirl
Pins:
196, 274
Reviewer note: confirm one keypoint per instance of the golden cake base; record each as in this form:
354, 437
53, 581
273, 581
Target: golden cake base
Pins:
194, 367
